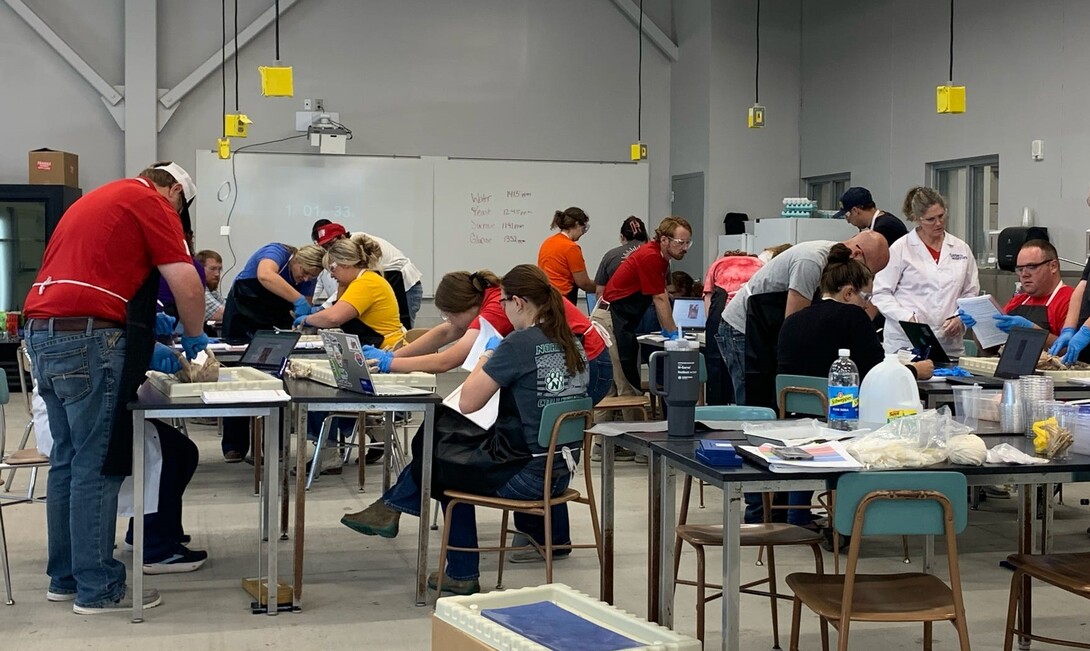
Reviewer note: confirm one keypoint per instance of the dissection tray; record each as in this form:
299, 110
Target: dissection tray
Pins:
319, 371
232, 378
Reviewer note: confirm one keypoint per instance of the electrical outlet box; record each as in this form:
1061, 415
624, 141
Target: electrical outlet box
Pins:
276, 81
638, 151
303, 119
308, 104
1037, 150
225, 230
236, 125
756, 116
950, 99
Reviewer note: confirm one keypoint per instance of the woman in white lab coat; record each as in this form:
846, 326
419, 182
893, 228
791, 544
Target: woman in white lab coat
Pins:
928, 271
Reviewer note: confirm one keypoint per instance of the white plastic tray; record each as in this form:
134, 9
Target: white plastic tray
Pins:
233, 378
319, 371
986, 366
464, 613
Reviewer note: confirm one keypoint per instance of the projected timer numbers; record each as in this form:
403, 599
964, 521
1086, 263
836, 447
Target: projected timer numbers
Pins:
318, 211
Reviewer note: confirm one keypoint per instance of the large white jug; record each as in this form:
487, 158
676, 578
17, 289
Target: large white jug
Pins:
889, 391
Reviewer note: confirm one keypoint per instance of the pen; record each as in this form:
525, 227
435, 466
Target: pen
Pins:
949, 317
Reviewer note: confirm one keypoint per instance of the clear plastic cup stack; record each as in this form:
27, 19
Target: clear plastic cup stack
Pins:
1037, 398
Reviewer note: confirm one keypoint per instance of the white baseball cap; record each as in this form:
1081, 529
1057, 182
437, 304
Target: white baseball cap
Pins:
189, 188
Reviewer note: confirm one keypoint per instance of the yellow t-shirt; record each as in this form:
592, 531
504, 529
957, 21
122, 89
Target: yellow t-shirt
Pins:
374, 299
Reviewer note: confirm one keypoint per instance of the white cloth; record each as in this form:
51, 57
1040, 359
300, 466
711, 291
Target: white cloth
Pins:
325, 287
913, 285
394, 260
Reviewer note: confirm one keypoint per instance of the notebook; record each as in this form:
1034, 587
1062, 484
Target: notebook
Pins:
268, 351
350, 370
1020, 356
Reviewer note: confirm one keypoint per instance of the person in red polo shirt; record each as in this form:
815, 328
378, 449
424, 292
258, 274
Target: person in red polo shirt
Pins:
639, 282
90, 334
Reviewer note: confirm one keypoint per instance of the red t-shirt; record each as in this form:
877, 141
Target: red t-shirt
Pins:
493, 312
108, 240
1057, 310
643, 272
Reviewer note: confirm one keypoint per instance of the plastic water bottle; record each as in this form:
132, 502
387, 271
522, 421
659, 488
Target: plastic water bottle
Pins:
843, 392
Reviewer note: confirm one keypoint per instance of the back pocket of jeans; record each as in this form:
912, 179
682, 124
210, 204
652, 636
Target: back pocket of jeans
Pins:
67, 371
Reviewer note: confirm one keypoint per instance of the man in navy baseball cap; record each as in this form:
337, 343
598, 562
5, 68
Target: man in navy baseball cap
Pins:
857, 206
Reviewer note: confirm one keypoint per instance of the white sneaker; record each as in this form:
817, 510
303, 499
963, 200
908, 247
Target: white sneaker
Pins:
60, 596
151, 600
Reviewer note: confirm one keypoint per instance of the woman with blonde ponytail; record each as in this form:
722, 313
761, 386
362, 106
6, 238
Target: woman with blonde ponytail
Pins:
539, 363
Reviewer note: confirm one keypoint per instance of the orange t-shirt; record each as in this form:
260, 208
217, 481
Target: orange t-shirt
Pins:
559, 257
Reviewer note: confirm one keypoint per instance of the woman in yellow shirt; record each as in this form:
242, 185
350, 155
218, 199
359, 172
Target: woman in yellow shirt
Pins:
366, 305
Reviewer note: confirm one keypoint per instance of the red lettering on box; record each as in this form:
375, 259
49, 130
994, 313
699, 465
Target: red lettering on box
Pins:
45, 165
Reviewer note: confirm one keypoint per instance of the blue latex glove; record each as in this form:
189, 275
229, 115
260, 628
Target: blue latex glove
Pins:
954, 371
1075, 346
164, 324
1061, 342
194, 345
383, 357
1007, 321
164, 360
966, 319
300, 320
493, 343
302, 307
671, 334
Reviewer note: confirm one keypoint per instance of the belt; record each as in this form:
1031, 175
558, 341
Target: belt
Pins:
73, 324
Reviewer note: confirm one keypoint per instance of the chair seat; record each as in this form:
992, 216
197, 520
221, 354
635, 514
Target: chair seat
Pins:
908, 597
1068, 571
569, 495
622, 402
25, 457
753, 535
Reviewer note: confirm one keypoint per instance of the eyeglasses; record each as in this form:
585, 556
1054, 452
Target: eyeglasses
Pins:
866, 296
682, 243
932, 220
505, 299
1030, 268
586, 227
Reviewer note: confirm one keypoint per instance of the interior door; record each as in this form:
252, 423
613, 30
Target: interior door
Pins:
687, 191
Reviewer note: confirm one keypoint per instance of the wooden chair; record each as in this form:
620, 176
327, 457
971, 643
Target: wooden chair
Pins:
767, 534
24, 457
562, 424
1070, 572
4, 558
895, 503
617, 405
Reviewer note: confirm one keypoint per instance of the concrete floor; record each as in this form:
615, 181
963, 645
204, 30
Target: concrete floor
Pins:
358, 589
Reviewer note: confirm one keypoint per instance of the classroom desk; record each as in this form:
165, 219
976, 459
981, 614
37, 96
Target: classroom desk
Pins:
151, 403
934, 394
306, 394
668, 456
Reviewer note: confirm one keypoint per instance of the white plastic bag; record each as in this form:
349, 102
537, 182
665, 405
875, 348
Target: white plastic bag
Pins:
909, 442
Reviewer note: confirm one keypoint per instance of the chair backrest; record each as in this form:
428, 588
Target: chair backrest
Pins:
802, 394
414, 334
5, 395
906, 511
734, 412
971, 349
568, 417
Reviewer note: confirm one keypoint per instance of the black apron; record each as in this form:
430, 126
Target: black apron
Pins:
367, 334
573, 295
626, 314
139, 344
397, 282
764, 318
1037, 314
251, 307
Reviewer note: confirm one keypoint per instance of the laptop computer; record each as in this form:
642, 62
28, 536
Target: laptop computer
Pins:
923, 338
349, 366
269, 350
1020, 356
689, 314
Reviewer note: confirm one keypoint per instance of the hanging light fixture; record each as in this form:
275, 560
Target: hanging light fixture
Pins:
756, 114
235, 124
950, 98
277, 81
638, 150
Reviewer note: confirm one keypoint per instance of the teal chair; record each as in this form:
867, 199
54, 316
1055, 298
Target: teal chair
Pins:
563, 424
889, 504
802, 394
971, 348
765, 535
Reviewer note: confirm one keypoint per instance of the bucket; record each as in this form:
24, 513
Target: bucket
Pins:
888, 392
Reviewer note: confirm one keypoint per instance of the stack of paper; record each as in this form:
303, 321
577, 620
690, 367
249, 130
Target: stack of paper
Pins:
827, 456
983, 308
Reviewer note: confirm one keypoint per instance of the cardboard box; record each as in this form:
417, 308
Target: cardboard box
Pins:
447, 637
51, 167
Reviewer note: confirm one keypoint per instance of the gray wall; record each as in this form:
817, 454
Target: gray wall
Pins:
869, 71
473, 78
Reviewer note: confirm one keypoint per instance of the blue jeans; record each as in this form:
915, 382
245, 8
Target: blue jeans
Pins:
800, 516
78, 378
732, 345
404, 496
415, 296
600, 370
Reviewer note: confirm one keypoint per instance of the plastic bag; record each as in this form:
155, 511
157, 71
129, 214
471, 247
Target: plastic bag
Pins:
793, 430
208, 371
908, 442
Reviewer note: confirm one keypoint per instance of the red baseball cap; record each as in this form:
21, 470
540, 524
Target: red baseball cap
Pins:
330, 232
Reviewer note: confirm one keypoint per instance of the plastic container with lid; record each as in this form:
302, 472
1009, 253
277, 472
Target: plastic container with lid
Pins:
888, 392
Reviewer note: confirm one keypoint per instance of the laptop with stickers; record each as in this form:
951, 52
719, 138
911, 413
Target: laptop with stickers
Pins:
349, 366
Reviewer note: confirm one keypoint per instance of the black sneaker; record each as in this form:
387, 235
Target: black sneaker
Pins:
182, 560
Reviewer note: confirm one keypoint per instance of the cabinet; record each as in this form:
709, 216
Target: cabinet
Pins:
28, 216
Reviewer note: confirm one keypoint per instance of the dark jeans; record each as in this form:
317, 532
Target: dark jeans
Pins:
732, 346
600, 370
163, 530
236, 435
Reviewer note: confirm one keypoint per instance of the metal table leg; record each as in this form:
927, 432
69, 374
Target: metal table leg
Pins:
732, 565
425, 505
138, 515
300, 411
667, 523
654, 536
607, 470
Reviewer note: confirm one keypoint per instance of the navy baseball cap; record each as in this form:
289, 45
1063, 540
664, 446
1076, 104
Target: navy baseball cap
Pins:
852, 198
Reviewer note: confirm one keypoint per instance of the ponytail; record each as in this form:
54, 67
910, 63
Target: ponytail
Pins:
633, 228
459, 291
570, 218
530, 283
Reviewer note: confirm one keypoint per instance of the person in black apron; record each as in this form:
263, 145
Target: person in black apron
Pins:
273, 288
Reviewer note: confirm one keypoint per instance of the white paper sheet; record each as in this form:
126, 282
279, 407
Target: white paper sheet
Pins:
983, 308
487, 332
485, 416
258, 395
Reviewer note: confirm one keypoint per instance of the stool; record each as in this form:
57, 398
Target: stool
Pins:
617, 405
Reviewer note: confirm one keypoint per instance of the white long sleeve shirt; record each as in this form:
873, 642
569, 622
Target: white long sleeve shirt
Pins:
913, 285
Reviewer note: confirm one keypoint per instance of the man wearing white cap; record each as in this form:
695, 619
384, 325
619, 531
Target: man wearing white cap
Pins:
90, 334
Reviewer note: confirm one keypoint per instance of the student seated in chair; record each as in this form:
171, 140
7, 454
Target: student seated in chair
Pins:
540, 363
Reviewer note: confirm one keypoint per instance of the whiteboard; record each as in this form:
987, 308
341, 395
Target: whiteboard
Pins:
277, 197
494, 214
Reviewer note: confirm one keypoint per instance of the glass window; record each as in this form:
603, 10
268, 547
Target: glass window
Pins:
971, 188
826, 190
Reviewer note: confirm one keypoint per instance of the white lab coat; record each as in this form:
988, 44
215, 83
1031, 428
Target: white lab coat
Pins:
913, 285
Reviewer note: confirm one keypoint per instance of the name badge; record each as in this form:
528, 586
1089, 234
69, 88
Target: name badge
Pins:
958, 256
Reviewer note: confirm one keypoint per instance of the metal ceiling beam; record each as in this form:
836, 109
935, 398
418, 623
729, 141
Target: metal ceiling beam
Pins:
212, 64
631, 10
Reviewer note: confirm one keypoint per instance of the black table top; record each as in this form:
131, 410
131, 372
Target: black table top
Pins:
148, 398
312, 392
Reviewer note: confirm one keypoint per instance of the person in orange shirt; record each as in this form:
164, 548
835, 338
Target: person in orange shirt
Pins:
561, 258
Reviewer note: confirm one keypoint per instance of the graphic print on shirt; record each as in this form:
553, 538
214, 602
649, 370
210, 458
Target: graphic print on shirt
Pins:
553, 381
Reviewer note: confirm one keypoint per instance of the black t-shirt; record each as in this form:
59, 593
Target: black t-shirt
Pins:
890, 227
811, 338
